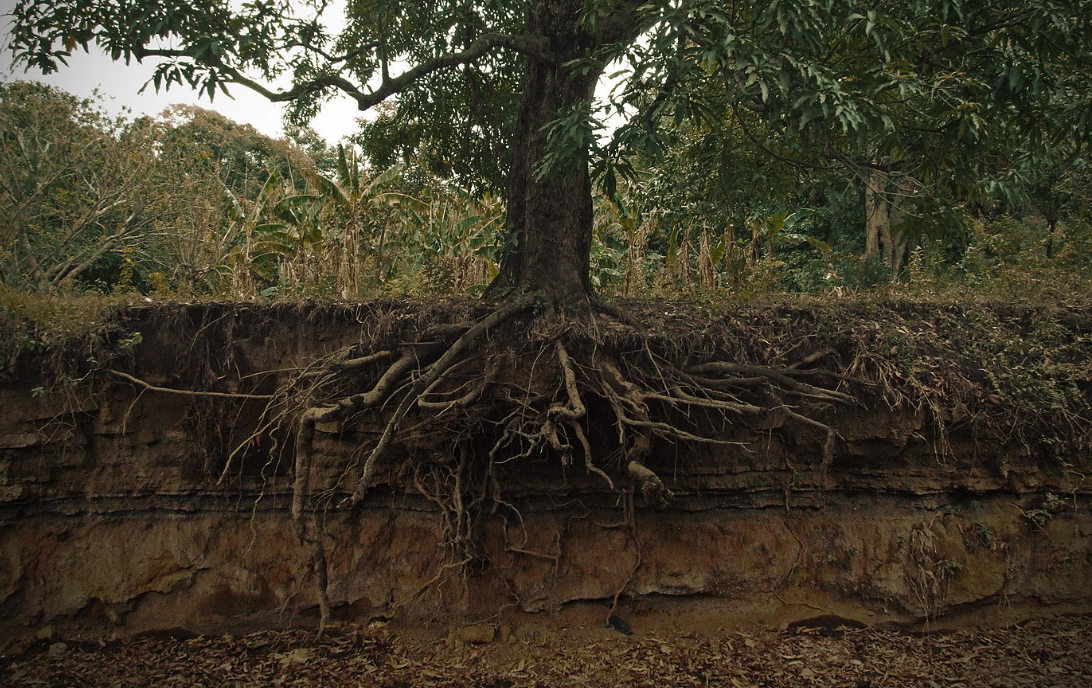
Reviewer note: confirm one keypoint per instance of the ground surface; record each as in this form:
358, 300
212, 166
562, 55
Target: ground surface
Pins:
1051, 652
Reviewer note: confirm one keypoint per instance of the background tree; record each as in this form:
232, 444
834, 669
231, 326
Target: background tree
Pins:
241, 156
927, 105
209, 173
74, 187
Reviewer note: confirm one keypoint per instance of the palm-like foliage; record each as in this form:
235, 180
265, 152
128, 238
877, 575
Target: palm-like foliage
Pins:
365, 204
253, 239
460, 236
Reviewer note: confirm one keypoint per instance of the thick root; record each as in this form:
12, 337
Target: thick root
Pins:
654, 490
450, 357
642, 396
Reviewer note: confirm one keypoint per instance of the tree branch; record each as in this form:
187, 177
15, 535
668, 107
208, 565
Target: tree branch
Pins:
533, 46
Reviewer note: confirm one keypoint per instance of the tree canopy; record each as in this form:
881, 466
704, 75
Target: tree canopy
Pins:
75, 185
950, 94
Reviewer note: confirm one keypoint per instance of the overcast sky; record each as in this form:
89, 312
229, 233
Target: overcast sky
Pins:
120, 86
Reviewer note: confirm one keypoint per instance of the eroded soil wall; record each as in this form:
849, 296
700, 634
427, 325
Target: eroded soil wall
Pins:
116, 515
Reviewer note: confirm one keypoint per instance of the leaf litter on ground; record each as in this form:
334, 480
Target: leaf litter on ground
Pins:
1041, 653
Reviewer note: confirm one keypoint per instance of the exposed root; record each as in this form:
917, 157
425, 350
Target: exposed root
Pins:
575, 409
309, 533
589, 465
630, 521
928, 573
437, 369
472, 395
576, 388
185, 392
391, 380
746, 374
652, 487
306, 524
360, 362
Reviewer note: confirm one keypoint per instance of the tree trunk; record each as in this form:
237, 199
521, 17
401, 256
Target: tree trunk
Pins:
881, 215
876, 217
550, 219
894, 239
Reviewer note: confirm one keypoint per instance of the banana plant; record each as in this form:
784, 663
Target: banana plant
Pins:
462, 234
277, 239
778, 228
246, 234
363, 201
293, 242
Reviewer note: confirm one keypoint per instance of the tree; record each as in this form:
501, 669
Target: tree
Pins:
74, 186
203, 165
242, 157
926, 105
853, 78
507, 85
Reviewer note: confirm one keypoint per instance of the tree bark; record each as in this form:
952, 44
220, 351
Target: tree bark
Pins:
550, 219
876, 214
881, 215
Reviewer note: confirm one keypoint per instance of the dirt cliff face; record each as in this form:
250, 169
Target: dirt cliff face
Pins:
119, 516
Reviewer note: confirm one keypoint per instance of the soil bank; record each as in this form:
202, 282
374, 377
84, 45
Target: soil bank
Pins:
117, 517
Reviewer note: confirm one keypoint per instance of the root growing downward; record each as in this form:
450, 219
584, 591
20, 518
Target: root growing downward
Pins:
545, 414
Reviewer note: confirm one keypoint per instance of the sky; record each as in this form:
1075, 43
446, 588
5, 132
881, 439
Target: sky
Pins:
120, 87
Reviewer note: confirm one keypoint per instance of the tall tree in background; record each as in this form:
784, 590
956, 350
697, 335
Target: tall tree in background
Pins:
75, 186
239, 154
